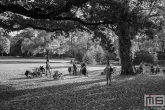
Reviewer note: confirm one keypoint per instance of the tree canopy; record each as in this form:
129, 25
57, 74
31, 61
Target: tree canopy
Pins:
54, 15
50, 15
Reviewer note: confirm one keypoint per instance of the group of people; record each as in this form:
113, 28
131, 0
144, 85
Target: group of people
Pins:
108, 71
83, 69
153, 69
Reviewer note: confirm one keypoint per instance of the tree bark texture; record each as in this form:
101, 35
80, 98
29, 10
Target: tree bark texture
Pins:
125, 51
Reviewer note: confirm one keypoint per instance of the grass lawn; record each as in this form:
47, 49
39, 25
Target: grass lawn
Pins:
75, 92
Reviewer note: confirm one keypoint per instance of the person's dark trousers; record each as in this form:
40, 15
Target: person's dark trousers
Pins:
108, 78
157, 70
141, 70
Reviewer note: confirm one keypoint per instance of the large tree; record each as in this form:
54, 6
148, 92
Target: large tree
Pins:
126, 18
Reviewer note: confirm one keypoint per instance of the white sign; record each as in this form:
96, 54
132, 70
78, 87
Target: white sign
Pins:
54, 44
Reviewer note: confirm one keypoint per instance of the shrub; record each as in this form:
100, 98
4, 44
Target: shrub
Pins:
79, 56
99, 54
160, 62
144, 56
88, 58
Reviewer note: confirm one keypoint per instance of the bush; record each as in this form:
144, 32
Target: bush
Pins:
79, 56
160, 62
144, 56
110, 56
99, 54
88, 58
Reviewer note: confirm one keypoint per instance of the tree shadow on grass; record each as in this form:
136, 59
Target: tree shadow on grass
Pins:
56, 88
19, 78
51, 89
86, 95
5, 90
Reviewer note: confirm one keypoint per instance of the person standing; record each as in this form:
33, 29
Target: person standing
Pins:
48, 72
152, 69
84, 70
109, 71
74, 68
70, 70
141, 68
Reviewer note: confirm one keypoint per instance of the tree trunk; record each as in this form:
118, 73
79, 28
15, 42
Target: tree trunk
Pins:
125, 51
47, 55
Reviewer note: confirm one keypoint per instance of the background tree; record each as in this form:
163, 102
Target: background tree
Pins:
16, 47
40, 42
4, 45
107, 40
79, 42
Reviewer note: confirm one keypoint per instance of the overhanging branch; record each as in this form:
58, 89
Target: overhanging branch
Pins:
37, 13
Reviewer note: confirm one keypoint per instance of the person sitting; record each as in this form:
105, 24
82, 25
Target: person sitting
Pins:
28, 73
157, 69
42, 69
141, 67
152, 69
57, 75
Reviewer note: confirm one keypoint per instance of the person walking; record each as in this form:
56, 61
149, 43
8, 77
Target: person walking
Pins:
109, 72
48, 72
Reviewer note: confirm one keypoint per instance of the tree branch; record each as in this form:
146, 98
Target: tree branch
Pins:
38, 13
26, 25
83, 22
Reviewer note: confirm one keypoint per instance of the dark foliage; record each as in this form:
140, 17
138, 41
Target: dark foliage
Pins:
144, 56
